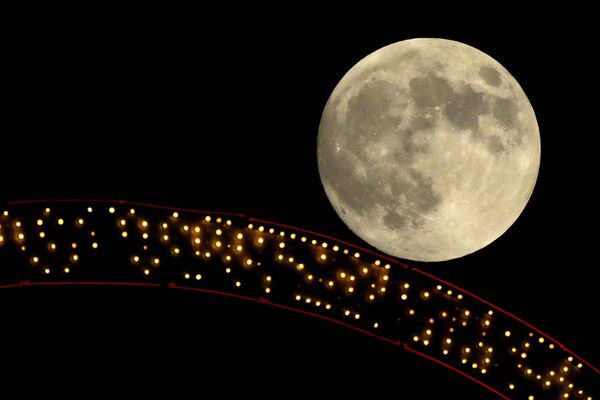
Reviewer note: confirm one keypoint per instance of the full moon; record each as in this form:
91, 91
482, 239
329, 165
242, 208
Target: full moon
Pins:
428, 149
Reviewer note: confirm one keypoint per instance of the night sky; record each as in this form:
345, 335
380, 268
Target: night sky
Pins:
199, 108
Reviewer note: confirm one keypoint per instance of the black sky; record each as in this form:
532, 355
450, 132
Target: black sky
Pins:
219, 110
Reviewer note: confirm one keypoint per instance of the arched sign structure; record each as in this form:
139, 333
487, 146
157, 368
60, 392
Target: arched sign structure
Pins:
86, 242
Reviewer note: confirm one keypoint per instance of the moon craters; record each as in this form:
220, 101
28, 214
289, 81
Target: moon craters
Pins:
428, 149
490, 76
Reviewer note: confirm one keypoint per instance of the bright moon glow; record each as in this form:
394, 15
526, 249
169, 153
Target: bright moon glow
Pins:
428, 149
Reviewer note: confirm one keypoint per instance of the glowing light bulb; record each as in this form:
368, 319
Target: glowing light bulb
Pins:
198, 277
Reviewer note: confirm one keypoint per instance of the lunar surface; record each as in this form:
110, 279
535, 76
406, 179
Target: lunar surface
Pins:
428, 149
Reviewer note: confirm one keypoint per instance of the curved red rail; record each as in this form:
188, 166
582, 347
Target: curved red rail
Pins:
353, 325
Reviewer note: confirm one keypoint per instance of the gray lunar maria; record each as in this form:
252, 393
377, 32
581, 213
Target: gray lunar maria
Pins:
428, 149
